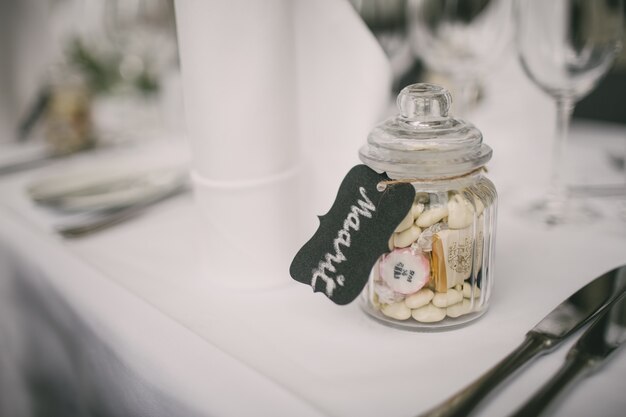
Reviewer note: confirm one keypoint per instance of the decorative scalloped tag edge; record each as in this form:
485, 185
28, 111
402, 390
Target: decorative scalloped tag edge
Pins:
338, 259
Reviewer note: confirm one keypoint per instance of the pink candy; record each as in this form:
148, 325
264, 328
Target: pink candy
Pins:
405, 270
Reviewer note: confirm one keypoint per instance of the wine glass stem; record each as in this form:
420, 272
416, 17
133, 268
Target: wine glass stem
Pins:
564, 109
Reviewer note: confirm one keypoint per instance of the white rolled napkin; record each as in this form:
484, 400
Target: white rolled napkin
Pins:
278, 96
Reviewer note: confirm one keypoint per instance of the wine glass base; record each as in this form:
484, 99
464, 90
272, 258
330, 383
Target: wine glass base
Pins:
554, 212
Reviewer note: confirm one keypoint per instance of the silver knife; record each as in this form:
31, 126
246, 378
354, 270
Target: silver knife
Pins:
558, 325
604, 336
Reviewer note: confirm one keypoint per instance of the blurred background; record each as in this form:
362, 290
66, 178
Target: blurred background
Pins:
74, 73
124, 53
259, 92
121, 55
420, 47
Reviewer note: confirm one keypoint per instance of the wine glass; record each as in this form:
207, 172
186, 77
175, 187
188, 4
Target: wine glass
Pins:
565, 47
460, 39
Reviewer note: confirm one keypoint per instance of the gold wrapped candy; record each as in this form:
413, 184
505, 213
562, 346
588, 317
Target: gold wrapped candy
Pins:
451, 257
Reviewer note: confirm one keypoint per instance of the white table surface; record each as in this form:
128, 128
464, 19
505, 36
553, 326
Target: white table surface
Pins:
140, 290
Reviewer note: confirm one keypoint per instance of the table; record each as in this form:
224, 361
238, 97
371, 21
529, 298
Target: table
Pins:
125, 323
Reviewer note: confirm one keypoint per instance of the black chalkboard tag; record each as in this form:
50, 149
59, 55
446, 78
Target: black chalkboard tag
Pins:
338, 259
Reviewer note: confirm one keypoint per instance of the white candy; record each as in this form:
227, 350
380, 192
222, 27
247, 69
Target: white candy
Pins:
467, 290
398, 311
429, 314
405, 270
390, 243
405, 223
448, 298
419, 299
431, 216
459, 309
417, 209
406, 237
460, 212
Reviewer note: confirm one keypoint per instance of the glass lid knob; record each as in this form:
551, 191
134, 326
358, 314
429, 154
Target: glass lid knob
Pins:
424, 102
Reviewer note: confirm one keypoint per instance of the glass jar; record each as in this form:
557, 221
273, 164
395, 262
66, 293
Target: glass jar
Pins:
438, 271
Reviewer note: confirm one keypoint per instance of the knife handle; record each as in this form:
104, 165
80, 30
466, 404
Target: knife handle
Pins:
575, 368
466, 400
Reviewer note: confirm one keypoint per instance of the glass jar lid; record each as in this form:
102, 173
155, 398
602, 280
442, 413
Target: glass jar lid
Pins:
422, 141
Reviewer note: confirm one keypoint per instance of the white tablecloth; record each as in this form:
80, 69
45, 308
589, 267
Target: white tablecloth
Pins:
124, 320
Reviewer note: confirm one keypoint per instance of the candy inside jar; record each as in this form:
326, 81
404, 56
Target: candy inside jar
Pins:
438, 270
433, 270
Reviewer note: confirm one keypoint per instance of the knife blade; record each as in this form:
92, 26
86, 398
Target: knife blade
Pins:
604, 336
551, 331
